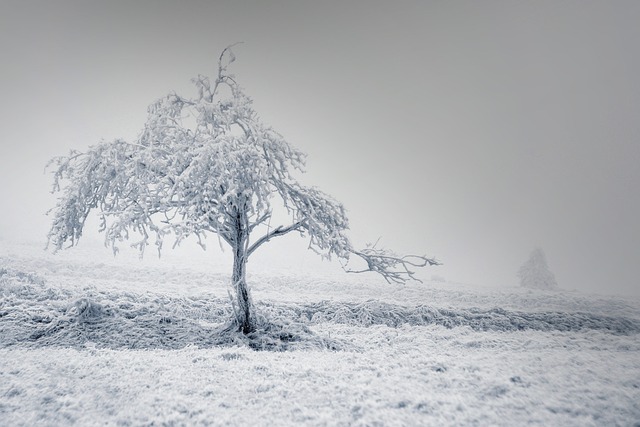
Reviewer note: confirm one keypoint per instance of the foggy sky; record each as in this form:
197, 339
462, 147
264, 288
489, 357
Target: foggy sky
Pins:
471, 131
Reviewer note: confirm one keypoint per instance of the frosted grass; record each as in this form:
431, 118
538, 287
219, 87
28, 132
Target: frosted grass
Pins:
33, 314
119, 343
422, 375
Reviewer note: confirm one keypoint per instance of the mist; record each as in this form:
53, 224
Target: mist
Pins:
472, 132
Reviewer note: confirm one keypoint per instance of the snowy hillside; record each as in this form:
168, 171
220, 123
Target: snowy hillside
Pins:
86, 339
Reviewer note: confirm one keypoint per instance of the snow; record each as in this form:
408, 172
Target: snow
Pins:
87, 339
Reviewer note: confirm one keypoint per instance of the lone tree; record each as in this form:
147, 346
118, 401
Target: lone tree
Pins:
535, 273
206, 165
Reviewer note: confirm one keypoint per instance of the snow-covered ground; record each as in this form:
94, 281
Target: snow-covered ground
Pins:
87, 339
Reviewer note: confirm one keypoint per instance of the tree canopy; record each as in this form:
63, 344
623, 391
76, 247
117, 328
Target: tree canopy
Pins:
202, 165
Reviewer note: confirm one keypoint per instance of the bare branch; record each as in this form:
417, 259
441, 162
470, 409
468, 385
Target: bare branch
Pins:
278, 231
222, 68
259, 221
393, 268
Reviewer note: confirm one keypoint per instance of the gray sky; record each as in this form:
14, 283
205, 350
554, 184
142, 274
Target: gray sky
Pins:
472, 131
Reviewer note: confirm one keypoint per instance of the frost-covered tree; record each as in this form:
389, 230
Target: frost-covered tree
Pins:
535, 273
206, 165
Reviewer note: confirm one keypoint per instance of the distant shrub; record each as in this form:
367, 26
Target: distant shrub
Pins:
535, 273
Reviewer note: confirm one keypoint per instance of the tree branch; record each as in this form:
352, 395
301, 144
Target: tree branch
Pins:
393, 268
278, 231
259, 221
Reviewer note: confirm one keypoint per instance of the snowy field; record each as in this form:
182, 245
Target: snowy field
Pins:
87, 339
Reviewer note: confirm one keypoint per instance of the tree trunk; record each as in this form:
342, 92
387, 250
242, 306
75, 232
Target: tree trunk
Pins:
245, 307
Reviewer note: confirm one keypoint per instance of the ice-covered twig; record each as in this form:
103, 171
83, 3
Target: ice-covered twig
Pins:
393, 268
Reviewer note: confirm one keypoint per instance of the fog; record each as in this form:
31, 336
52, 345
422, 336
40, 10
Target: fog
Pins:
468, 131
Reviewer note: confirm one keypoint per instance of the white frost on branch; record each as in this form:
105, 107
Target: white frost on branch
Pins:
201, 165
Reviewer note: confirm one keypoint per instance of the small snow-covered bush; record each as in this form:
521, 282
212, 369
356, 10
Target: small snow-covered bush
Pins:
535, 273
86, 310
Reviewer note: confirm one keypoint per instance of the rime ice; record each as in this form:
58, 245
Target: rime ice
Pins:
218, 174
